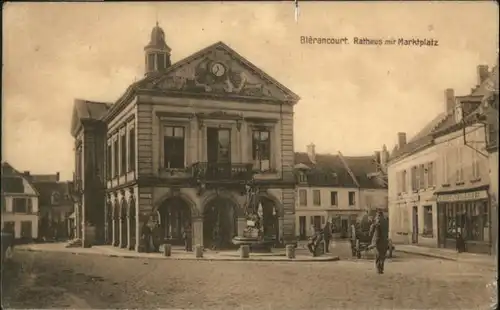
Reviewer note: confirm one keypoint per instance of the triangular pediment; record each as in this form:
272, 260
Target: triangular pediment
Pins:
219, 70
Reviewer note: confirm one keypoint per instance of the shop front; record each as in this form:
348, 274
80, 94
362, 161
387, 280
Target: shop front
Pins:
465, 214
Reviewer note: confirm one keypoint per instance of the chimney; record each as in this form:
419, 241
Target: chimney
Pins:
26, 173
401, 139
449, 97
384, 156
482, 74
311, 152
58, 176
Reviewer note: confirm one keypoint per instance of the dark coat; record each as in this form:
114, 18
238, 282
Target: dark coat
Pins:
380, 232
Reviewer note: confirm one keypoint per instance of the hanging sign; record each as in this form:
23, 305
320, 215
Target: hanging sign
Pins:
463, 196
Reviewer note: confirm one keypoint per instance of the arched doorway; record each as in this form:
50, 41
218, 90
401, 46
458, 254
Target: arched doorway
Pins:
270, 218
109, 222
174, 214
220, 224
116, 223
123, 224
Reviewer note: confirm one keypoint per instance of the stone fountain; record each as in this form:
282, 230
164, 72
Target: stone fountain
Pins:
253, 234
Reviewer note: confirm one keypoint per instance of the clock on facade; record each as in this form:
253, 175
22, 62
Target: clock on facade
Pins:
218, 69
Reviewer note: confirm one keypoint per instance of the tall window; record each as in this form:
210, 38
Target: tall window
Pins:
303, 197
430, 174
261, 149
421, 176
403, 181
116, 158
20, 205
316, 197
173, 147
131, 149
109, 161
476, 173
460, 168
352, 198
447, 164
123, 153
333, 198
428, 221
414, 178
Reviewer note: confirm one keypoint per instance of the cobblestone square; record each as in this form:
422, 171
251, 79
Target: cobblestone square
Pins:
61, 280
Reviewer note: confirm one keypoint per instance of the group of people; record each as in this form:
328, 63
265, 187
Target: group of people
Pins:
378, 230
151, 238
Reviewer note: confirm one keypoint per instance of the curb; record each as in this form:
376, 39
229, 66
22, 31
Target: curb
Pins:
256, 259
429, 255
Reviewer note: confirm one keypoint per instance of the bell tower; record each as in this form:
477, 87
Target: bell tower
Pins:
157, 52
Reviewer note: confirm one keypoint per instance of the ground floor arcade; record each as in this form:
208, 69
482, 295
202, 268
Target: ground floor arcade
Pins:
211, 219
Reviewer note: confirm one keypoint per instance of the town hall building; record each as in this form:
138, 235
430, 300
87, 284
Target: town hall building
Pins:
180, 148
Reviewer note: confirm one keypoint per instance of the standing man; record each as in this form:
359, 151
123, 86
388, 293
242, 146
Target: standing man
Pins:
188, 238
380, 232
327, 235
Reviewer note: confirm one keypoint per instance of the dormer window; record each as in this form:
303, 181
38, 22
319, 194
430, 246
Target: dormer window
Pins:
302, 177
56, 198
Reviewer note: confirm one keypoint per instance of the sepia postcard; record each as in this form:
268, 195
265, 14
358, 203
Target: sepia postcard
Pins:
250, 155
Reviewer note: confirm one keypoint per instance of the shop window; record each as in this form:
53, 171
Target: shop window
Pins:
316, 197
428, 232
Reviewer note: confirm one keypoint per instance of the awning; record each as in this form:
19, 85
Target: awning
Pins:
72, 216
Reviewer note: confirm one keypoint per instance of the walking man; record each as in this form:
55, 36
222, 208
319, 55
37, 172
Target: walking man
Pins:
380, 232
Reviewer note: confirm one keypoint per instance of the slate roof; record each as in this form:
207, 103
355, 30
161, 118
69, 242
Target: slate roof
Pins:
328, 170
91, 109
445, 121
46, 190
87, 110
11, 180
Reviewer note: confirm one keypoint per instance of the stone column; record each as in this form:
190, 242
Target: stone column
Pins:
242, 224
198, 230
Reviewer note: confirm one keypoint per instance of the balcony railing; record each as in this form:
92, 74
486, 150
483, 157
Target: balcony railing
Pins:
222, 171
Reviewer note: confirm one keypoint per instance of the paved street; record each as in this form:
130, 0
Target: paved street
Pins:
61, 280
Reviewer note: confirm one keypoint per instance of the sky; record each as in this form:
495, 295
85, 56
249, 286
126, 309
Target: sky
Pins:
354, 98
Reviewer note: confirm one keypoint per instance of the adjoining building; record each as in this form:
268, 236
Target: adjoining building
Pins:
180, 148
336, 187
19, 204
55, 205
491, 113
439, 181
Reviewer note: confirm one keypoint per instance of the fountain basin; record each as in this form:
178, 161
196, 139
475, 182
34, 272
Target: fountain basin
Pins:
256, 244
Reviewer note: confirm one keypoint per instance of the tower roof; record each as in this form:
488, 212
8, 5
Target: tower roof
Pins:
157, 40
